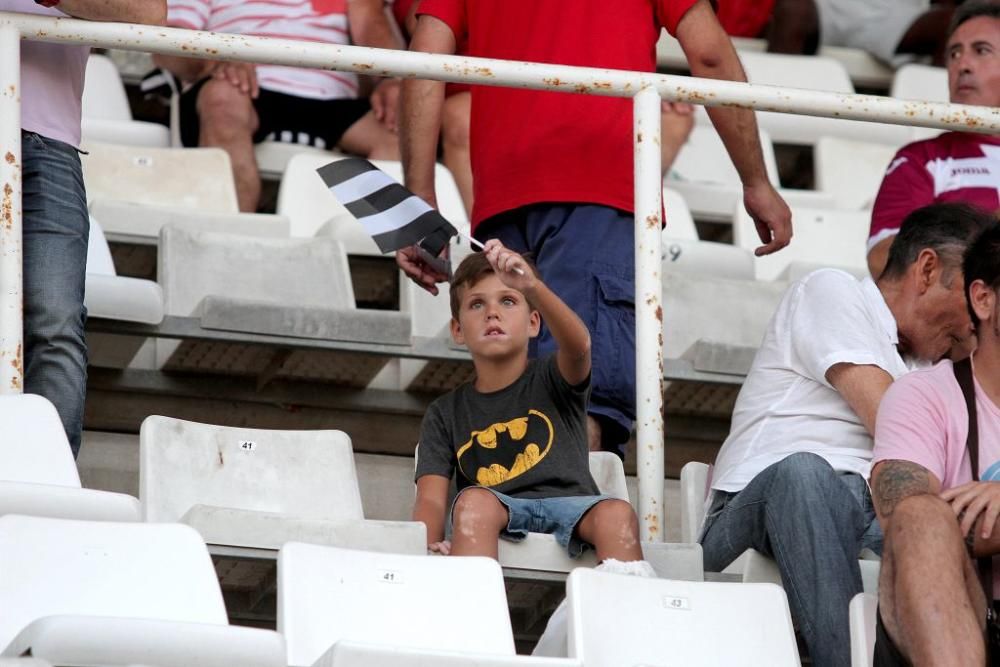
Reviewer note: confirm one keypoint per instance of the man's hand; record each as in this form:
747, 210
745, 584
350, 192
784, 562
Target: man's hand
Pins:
970, 500
771, 216
385, 103
413, 265
510, 267
241, 75
443, 547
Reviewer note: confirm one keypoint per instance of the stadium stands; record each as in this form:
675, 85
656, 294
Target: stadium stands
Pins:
106, 593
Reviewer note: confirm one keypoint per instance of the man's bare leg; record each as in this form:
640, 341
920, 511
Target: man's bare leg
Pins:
612, 527
228, 120
455, 141
930, 598
368, 137
478, 519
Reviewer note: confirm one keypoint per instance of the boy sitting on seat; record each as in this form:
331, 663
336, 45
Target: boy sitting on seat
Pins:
516, 436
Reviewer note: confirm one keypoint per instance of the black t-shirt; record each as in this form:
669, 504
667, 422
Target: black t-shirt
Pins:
527, 440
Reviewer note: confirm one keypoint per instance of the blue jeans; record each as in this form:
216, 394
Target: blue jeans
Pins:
56, 230
814, 522
586, 255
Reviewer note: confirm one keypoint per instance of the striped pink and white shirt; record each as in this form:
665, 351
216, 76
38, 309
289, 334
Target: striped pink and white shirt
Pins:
310, 20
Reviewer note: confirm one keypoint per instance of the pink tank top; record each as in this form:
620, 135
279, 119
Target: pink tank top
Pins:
51, 81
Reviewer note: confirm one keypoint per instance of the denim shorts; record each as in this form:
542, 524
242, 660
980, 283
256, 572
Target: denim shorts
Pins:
552, 516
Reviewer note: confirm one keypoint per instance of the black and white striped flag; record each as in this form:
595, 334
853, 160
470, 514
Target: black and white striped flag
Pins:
394, 216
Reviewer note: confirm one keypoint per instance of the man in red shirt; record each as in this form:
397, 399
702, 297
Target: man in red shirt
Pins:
954, 166
553, 172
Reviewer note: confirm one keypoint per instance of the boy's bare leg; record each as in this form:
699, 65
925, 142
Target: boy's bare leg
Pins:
930, 598
455, 142
478, 519
370, 138
227, 120
612, 527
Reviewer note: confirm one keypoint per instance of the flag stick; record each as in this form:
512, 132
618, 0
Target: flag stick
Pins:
476, 243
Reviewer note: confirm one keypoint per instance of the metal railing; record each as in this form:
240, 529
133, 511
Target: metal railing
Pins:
646, 89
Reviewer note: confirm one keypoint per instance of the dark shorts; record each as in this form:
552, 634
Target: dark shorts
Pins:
887, 654
586, 255
552, 516
285, 118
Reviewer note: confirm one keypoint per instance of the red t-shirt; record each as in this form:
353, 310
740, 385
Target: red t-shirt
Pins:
535, 146
744, 18
952, 167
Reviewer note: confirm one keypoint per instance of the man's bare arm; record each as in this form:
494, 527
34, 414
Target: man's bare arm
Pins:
369, 25
710, 54
893, 480
863, 387
151, 12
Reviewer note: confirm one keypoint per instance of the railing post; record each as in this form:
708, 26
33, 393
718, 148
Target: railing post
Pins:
11, 308
648, 313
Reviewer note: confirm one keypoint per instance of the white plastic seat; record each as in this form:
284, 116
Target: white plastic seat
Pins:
753, 566
199, 178
260, 488
705, 176
326, 595
38, 475
851, 171
834, 238
862, 613
659, 621
684, 252
297, 288
810, 73
312, 209
114, 297
104, 593
107, 115
921, 82
360, 654
273, 156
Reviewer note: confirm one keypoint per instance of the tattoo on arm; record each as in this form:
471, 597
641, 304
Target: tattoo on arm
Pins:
897, 480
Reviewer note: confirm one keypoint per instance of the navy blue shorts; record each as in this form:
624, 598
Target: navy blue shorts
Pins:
552, 516
585, 254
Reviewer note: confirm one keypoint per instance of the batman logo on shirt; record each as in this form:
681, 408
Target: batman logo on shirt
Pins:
508, 449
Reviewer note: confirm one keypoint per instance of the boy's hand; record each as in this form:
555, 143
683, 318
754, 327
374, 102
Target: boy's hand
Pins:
443, 547
509, 266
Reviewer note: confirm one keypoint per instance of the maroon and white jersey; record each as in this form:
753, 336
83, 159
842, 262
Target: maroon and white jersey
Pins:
310, 20
952, 167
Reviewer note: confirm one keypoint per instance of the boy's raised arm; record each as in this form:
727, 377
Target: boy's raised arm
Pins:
430, 509
569, 332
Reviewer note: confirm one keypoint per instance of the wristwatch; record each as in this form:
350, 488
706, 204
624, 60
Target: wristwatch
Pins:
47, 3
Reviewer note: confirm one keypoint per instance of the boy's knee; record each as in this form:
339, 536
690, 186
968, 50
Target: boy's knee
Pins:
616, 515
478, 508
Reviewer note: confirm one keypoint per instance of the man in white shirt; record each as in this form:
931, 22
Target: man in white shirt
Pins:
790, 479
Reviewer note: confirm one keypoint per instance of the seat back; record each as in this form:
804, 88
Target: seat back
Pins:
199, 178
834, 238
862, 612
35, 448
99, 260
680, 222
326, 594
305, 474
920, 82
309, 204
607, 470
851, 171
694, 489
104, 94
134, 570
703, 159
358, 654
694, 623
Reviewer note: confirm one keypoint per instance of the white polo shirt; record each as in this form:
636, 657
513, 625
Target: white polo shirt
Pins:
786, 404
